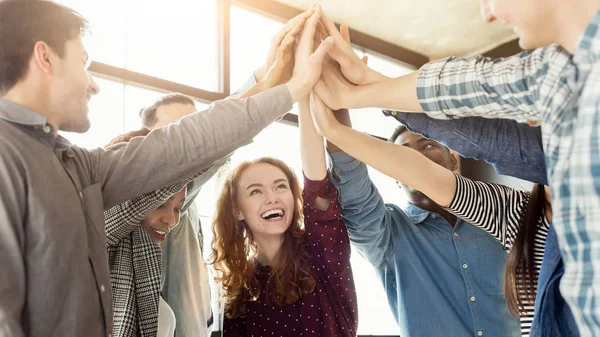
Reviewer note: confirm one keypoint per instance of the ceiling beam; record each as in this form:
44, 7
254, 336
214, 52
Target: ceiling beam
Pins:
282, 12
509, 48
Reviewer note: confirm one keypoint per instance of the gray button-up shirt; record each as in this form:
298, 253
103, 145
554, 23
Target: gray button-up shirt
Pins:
54, 278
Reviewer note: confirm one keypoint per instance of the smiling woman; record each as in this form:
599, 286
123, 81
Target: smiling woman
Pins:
133, 230
282, 253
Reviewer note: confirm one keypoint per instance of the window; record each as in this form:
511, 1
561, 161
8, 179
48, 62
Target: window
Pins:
115, 111
175, 41
249, 47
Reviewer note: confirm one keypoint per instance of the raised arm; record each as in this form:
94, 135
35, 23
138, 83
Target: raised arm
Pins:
155, 161
514, 150
399, 162
325, 231
369, 222
459, 87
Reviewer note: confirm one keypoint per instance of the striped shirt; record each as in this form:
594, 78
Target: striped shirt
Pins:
560, 90
499, 210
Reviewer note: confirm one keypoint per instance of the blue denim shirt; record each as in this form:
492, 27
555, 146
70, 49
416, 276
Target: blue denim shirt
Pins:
514, 150
439, 280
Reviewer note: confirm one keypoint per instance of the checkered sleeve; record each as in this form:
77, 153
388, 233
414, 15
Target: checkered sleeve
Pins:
122, 219
481, 86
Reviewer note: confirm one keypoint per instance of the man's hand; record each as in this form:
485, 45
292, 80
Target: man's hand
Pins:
308, 64
277, 40
353, 68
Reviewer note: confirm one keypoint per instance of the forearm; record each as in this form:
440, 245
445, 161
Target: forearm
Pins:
343, 116
178, 151
255, 89
311, 144
399, 162
515, 150
492, 88
395, 94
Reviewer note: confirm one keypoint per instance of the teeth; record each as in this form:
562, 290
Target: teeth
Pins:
271, 212
159, 232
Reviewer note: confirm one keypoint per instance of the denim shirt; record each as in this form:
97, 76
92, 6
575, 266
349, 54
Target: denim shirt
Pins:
439, 280
515, 150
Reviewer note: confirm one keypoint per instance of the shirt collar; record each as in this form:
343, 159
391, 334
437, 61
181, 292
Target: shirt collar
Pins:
417, 214
19, 114
589, 45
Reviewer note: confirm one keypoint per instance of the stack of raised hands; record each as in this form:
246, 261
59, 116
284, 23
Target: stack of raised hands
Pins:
309, 54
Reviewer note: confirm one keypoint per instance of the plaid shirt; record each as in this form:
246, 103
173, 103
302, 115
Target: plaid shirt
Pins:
562, 91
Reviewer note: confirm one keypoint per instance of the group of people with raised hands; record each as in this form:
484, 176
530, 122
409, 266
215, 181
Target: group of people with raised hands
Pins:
104, 242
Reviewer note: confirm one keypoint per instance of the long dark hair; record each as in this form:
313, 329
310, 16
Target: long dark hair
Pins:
520, 276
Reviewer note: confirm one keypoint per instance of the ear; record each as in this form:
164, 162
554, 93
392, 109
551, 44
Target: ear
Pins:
239, 215
453, 161
44, 57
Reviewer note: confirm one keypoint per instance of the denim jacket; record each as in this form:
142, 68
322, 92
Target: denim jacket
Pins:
514, 150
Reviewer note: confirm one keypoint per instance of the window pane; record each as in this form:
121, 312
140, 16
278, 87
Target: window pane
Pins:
250, 38
113, 111
175, 41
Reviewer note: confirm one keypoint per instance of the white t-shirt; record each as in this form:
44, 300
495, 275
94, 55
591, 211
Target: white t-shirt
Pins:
166, 320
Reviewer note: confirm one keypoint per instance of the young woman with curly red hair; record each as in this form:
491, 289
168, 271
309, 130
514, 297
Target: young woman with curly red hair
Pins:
282, 254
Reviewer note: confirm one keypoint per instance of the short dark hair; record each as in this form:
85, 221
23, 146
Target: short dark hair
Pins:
400, 129
25, 22
148, 114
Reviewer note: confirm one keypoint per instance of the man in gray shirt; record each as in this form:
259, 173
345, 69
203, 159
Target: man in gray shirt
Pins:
54, 279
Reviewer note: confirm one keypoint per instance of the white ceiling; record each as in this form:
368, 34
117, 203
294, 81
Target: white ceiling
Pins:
434, 28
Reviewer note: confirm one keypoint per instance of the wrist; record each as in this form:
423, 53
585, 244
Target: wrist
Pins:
374, 76
259, 74
297, 90
333, 131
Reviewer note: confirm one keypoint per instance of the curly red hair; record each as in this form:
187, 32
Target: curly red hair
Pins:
234, 250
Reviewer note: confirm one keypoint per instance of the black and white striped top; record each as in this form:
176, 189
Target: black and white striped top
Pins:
499, 210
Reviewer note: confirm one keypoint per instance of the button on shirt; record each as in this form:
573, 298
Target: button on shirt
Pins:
429, 269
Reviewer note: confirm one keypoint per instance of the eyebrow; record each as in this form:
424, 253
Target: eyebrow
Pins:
419, 141
260, 185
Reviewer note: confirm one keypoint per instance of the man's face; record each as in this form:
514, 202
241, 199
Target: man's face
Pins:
532, 19
171, 113
71, 87
431, 149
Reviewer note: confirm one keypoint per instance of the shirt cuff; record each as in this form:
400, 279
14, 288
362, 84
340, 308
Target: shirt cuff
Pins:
319, 188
